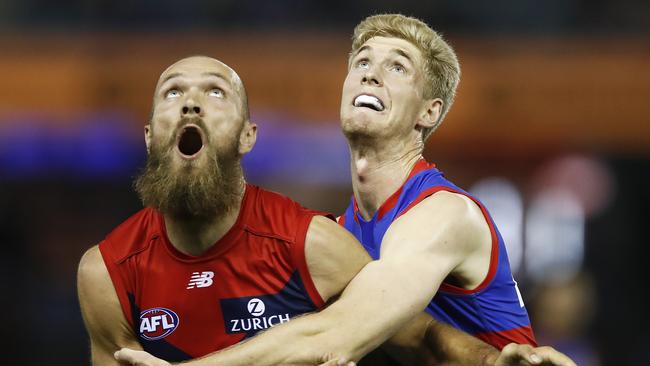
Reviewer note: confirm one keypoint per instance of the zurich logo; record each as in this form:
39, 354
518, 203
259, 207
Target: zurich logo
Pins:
256, 307
157, 323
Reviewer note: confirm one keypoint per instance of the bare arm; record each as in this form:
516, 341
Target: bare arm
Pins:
425, 341
333, 258
416, 257
420, 341
102, 314
384, 296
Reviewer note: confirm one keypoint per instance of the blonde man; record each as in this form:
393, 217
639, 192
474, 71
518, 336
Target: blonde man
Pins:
388, 108
401, 82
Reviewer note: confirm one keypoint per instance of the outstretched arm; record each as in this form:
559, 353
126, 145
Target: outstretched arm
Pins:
444, 345
385, 296
425, 341
382, 298
102, 314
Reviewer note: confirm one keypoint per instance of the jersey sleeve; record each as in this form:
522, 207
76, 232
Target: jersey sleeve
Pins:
299, 257
122, 282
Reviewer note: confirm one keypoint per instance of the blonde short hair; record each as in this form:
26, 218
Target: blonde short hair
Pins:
441, 67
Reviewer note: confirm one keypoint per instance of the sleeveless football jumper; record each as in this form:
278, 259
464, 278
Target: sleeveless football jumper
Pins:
493, 311
183, 306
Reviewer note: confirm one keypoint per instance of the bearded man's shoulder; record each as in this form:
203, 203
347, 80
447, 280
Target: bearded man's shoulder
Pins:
275, 214
133, 235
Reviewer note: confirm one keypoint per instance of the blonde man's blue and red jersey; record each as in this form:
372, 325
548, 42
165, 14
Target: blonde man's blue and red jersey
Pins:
183, 307
493, 311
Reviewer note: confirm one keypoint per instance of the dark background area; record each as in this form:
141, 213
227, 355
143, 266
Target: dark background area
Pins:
550, 129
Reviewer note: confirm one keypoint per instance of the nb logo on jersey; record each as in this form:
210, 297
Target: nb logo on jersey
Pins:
200, 279
256, 307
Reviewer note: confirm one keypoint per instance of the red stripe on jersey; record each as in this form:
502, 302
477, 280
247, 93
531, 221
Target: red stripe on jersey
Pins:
300, 261
521, 335
341, 220
420, 165
120, 289
494, 253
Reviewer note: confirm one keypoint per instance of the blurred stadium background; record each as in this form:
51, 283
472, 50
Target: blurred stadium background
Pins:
551, 129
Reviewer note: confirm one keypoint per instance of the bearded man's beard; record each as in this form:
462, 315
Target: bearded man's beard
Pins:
188, 192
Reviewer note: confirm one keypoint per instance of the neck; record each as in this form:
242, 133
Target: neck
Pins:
378, 170
195, 235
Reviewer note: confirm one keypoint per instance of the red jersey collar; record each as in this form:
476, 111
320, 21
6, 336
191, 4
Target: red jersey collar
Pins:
420, 166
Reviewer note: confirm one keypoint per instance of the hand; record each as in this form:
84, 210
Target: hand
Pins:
525, 355
138, 358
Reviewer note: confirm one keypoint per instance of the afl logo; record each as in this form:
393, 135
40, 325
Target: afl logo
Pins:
157, 323
256, 307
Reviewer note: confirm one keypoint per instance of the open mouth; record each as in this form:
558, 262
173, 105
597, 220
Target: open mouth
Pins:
368, 101
190, 141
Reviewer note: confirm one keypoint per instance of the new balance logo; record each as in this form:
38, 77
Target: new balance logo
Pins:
200, 279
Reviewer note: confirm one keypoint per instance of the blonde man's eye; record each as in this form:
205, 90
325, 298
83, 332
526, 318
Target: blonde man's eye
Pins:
173, 93
399, 68
363, 64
